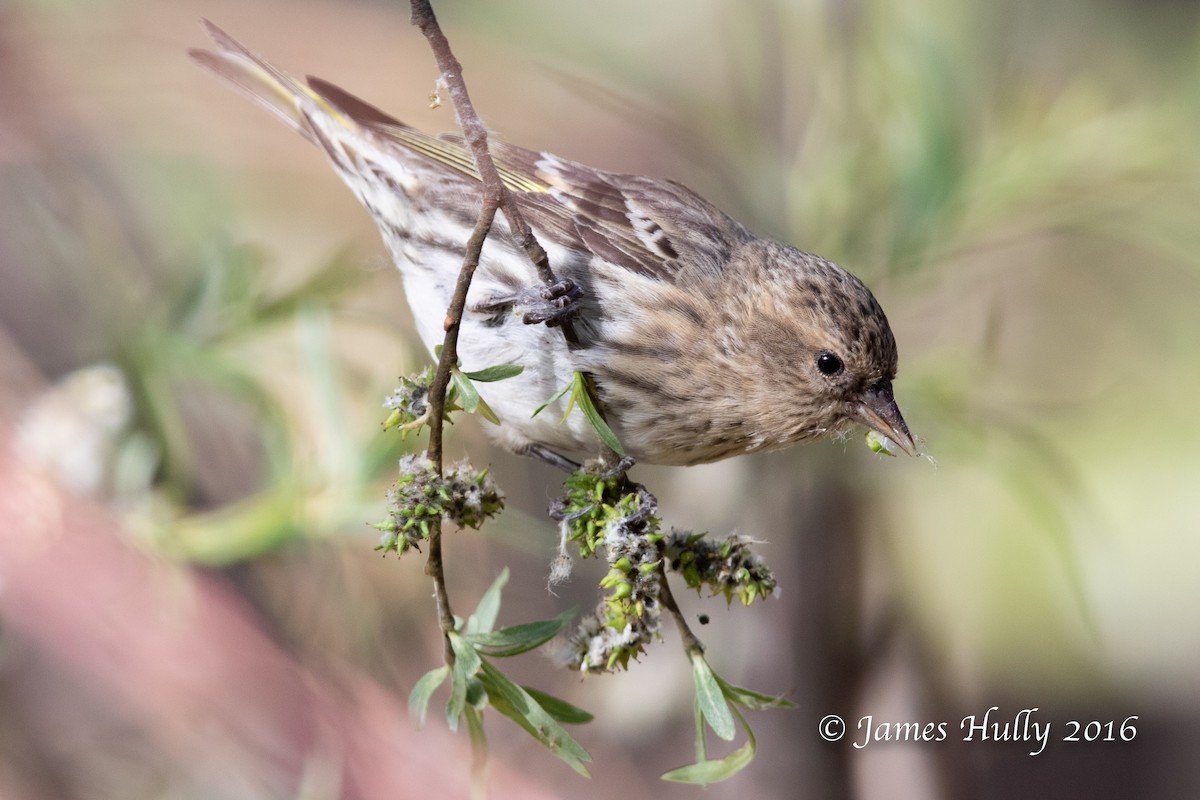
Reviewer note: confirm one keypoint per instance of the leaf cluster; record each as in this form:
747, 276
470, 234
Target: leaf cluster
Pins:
579, 393
717, 703
476, 682
409, 402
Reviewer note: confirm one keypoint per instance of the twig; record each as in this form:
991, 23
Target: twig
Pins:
691, 643
493, 192
437, 404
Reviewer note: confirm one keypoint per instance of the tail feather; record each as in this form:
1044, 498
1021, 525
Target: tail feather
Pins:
275, 90
309, 107
357, 109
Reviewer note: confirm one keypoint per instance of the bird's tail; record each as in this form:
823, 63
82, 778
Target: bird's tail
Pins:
292, 101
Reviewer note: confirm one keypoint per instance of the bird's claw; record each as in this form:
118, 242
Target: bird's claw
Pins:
552, 303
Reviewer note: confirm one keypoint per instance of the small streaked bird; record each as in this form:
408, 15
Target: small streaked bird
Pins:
705, 341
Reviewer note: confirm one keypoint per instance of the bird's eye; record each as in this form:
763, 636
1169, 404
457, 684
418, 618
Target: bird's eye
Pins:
829, 364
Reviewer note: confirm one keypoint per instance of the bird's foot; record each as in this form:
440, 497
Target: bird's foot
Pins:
548, 456
551, 303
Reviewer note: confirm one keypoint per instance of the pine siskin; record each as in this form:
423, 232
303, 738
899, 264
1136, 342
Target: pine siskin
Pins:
704, 340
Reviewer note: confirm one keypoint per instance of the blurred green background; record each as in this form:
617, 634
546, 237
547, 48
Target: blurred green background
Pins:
1018, 182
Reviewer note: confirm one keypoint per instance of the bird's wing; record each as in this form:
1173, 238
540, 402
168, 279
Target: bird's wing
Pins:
649, 226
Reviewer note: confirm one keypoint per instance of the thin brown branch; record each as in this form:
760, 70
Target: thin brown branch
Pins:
475, 135
437, 404
691, 642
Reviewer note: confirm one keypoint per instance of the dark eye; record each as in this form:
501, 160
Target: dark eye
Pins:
829, 364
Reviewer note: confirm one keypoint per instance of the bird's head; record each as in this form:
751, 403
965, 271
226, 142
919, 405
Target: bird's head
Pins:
838, 349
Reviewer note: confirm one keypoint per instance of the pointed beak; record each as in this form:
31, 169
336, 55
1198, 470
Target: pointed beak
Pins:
879, 412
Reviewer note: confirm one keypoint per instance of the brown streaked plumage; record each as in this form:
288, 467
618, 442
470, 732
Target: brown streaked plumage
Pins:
705, 341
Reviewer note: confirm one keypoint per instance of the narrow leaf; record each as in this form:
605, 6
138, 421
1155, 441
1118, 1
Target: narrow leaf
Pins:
701, 744
466, 664
484, 618
584, 398
520, 638
476, 695
486, 412
711, 699
755, 701
706, 772
468, 395
422, 691
496, 373
518, 705
557, 396
561, 710
479, 748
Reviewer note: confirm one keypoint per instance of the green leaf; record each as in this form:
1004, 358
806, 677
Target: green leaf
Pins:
466, 664
520, 638
711, 699
583, 397
468, 395
518, 705
476, 695
715, 770
479, 746
561, 710
557, 396
496, 373
484, 618
701, 744
418, 700
486, 412
755, 701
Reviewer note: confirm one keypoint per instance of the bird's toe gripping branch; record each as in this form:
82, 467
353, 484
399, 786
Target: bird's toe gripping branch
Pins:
552, 303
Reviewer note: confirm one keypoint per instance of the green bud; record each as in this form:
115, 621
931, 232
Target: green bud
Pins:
878, 443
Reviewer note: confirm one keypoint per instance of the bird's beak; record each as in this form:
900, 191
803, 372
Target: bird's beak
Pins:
879, 412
